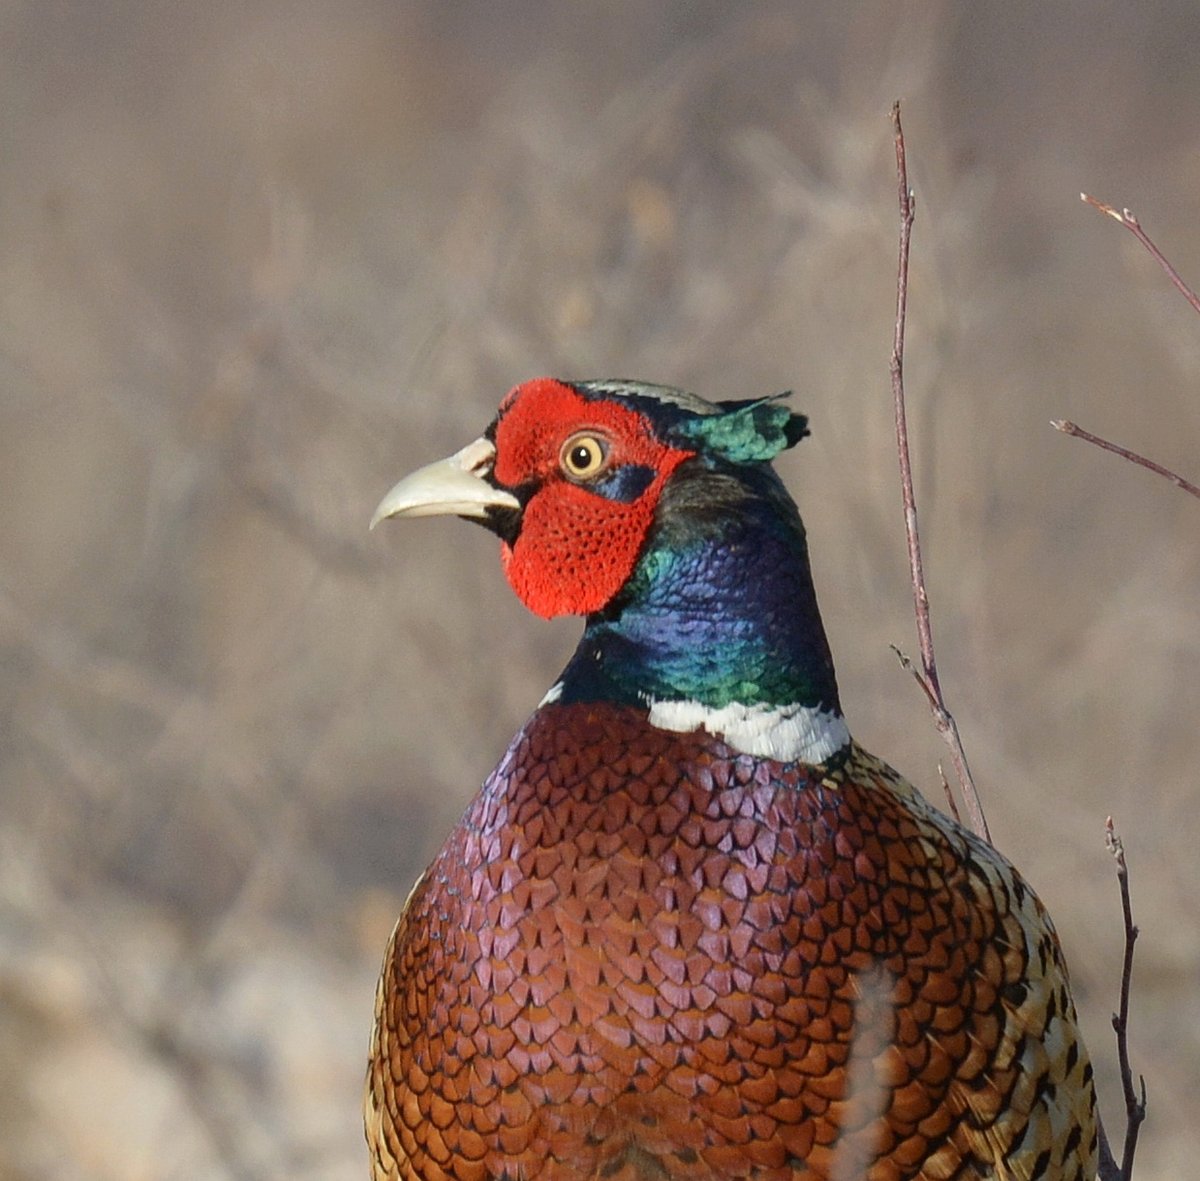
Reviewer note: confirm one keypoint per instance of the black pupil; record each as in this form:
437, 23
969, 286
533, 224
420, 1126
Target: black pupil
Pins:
581, 457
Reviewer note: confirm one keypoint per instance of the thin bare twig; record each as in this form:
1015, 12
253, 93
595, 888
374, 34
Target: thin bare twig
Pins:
949, 794
1070, 428
909, 667
927, 678
1135, 1106
1127, 218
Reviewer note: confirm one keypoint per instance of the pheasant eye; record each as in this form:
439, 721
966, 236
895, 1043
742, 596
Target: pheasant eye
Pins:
583, 456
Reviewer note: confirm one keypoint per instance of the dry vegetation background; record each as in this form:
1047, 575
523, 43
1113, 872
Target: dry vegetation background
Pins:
259, 260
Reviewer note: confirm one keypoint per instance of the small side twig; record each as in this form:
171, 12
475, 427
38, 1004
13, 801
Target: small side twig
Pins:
1070, 428
949, 794
1135, 1105
927, 677
1127, 218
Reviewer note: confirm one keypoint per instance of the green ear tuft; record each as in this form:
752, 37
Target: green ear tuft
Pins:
745, 432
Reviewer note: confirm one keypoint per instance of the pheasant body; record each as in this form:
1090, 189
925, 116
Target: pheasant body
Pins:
688, 929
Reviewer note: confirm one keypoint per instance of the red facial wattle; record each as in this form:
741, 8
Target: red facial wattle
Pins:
576, 547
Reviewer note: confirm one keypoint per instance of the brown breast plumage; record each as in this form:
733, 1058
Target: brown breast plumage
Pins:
643, 955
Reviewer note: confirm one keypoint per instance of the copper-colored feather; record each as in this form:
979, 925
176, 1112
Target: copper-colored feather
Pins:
646, 957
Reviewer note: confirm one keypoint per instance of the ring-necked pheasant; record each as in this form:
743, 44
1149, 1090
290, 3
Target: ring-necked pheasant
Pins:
689, 929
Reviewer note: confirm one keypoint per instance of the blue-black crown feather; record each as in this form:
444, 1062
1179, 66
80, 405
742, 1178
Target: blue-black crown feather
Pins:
752, 430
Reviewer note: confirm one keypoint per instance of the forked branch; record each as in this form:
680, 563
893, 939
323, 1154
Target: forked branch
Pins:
927, 675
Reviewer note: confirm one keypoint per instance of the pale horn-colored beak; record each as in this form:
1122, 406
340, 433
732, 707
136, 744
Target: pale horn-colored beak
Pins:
457, 486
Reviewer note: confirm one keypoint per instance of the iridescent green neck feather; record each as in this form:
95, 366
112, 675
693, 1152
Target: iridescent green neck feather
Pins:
720, 609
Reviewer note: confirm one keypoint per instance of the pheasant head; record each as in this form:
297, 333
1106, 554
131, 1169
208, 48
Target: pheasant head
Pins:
656, 515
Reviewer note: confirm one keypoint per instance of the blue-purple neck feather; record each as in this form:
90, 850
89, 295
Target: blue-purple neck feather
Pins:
721, 606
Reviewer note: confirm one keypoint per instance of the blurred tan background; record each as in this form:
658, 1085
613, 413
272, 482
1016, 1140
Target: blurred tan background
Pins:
259, 260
